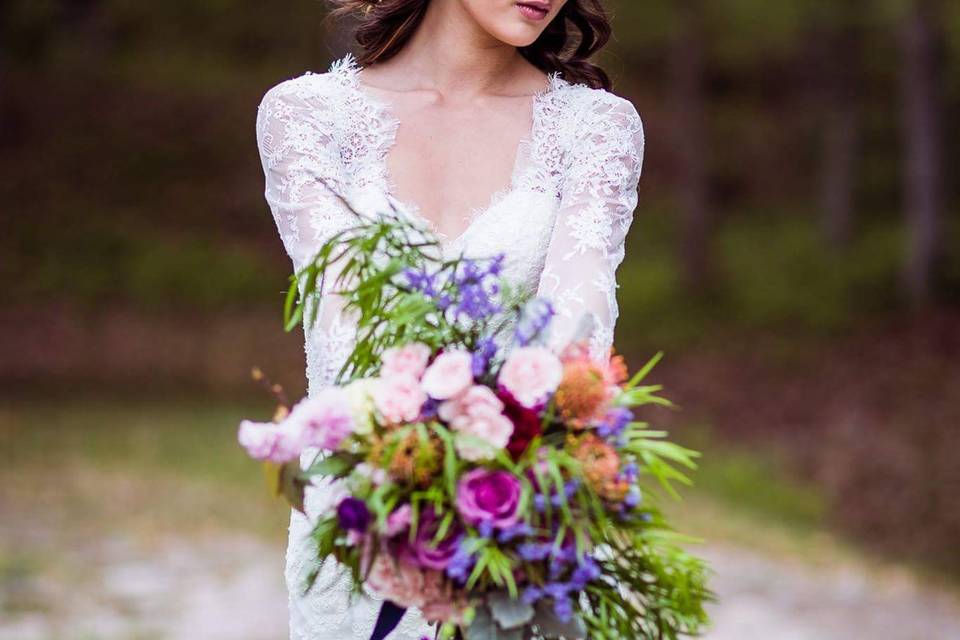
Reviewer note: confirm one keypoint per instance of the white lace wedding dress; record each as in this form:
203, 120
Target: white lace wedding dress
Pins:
561, 224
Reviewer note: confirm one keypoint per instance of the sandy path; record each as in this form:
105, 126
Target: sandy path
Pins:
231, 589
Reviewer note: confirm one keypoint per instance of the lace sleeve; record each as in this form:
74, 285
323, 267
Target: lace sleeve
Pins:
598, 197
296, 125
297, 129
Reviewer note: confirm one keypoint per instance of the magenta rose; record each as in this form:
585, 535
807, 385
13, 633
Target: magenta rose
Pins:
489, 496
426, 554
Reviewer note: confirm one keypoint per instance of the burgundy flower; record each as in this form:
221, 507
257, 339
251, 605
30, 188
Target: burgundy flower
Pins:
526, 424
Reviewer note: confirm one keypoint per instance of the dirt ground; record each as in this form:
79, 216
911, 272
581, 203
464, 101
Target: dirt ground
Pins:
230, 588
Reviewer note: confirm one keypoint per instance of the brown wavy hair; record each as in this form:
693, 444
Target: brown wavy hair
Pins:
580, 30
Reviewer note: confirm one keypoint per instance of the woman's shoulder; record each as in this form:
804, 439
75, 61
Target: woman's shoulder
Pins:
312, 91
600, 108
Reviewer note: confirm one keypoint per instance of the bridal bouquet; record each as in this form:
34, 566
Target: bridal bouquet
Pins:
503, 488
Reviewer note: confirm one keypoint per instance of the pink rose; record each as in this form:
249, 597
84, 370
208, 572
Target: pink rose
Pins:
396, 581
277, 443
324, 420
474, 401
489, 496
531, 374
449, 374
408, 360
398, 398
480, 436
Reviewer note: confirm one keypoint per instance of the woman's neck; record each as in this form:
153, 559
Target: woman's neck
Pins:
451, 54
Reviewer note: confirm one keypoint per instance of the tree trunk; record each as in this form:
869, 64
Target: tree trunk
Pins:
837, 78
921, 128
687, 72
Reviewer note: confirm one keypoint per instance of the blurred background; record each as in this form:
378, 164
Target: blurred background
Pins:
796, 254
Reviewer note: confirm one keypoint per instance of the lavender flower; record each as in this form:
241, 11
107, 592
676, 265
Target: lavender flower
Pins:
534, 320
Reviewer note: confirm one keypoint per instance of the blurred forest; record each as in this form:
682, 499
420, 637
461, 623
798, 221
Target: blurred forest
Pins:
796, 251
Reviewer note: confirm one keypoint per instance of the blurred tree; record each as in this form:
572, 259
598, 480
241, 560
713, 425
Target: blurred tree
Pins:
837, 40
687, 73
920, 40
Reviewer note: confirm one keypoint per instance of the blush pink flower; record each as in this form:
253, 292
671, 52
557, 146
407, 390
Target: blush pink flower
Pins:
396, 581
408, 360
449, 374
531, 374
479, 437
324, 420
440, 602
476, 400
277, 443
399, 399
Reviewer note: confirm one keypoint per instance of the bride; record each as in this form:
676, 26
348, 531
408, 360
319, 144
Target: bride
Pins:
485, 121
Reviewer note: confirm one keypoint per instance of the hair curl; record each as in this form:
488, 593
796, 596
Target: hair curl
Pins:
580, 30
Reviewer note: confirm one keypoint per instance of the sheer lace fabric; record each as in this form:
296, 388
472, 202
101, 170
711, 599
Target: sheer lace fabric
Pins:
561, 224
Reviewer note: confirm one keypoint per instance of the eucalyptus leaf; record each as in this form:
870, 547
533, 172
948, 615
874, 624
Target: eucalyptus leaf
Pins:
484, 627
509, 613
550, 626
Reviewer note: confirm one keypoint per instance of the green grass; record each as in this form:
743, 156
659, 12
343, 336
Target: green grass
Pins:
162, 466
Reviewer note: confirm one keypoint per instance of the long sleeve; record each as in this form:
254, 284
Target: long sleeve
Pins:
303, 169
598, 197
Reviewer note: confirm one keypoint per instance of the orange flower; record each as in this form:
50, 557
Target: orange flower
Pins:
582, 394
601, 466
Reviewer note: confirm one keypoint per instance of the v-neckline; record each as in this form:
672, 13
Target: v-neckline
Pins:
385, 112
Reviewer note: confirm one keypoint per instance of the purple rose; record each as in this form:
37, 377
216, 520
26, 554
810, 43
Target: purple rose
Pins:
489, 496
353, 515
423, 552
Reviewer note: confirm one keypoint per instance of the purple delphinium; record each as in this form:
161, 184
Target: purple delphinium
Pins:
484, 353
532, 594
534, 551
534, 319
563, 609
587, 571
485, 529
630, 472
518, 530
614, 423
461, 564
477, 284
353, 515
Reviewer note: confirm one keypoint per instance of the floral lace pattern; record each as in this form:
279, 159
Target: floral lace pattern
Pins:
561, 224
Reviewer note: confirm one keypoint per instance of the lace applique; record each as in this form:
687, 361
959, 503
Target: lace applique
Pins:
561, 223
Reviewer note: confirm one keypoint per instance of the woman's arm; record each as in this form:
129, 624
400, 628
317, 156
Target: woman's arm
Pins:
596, 209
296, 136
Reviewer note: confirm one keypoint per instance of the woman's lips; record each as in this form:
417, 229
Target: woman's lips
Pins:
534, 10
